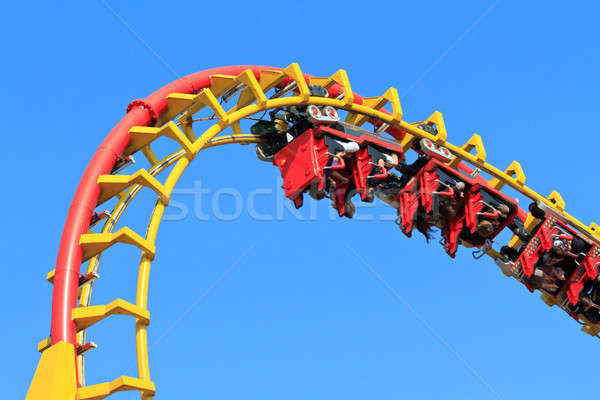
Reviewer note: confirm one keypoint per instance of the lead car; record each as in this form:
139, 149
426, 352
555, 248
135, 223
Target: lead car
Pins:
560, 263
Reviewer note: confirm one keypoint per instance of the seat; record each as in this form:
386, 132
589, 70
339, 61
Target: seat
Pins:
435, 183
580, 267
431, 186
306, 160
408, 198
451, 233
540, 243
367, 173
587, 271
486, 203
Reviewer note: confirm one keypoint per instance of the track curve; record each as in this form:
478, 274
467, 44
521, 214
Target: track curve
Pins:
151, 118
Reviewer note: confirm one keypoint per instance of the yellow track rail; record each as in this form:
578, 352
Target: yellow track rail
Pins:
252, 100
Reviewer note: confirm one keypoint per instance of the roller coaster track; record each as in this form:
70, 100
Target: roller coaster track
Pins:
169, 112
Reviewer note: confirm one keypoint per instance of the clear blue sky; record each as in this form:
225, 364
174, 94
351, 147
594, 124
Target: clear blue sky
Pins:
300, 317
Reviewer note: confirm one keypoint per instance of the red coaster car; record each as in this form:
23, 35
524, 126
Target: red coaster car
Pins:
586, 271
456, 203
557, 254
319, 159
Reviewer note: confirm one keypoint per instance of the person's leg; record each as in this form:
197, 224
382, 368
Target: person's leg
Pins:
349, 207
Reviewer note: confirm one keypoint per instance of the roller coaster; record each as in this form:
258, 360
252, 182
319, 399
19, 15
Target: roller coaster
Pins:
329, 143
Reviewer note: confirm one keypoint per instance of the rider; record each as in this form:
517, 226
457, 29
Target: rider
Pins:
386, 162
448, 208
488, 225
410, 170
549, 272
285, 125
589, 300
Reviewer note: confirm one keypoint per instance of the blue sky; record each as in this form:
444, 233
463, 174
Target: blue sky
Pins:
284, 308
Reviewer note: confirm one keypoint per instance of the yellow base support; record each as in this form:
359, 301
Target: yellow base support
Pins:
55, 377
102, 390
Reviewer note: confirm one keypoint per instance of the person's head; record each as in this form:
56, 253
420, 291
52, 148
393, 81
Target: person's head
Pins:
560, 246
485, 228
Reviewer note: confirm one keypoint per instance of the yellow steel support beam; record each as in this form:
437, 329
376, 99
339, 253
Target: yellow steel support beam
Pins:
556, 199
207, 98
177, 103
172, 131
437, 119
219, 84
50, 276
44, 344
516, 173
111, 185
187, 126
95, 243
141, 136
253, 90
103, 390
595, 229
476, 143
293, 71
341, 78
149, 154
269, 79
376, 103
391, 95
84, 317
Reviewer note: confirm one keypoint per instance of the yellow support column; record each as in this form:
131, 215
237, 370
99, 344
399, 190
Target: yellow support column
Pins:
55, 377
